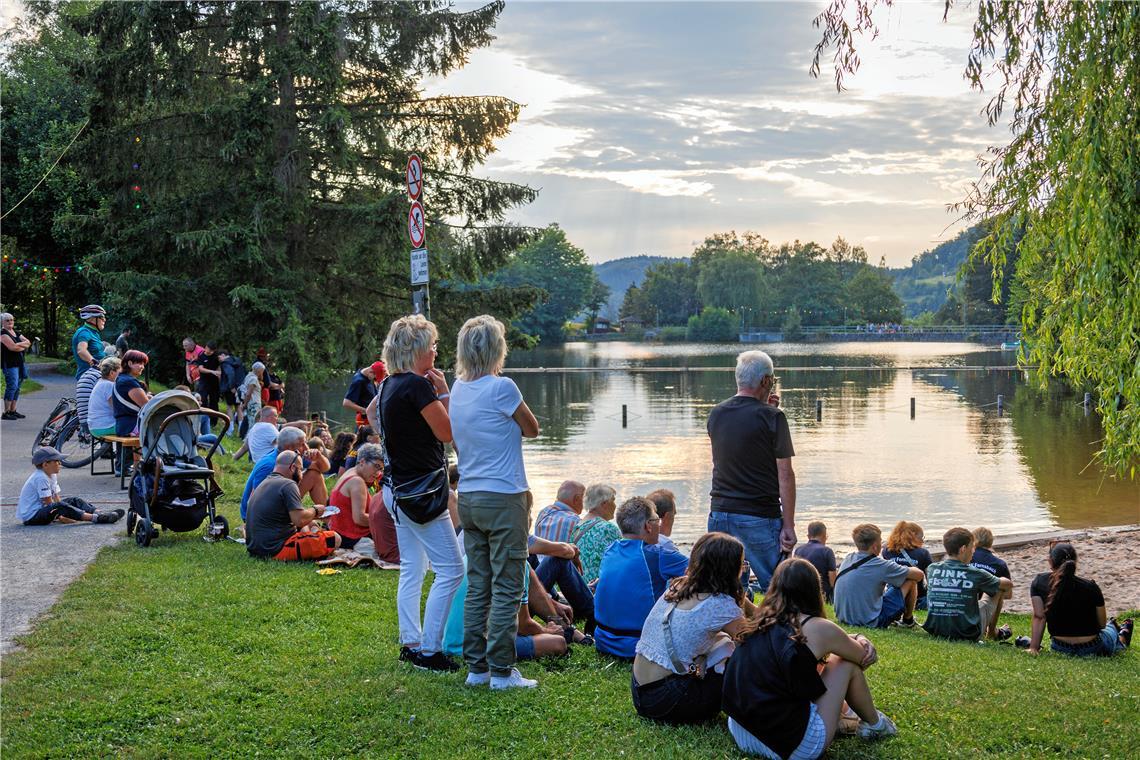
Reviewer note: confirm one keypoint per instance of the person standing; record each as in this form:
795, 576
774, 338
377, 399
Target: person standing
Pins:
362, 389
191, 351
209, 364
414, 400
86, 343
489, 420
12, 359
753, 484
123, 342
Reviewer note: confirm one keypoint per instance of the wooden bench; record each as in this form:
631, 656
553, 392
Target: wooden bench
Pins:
122, 444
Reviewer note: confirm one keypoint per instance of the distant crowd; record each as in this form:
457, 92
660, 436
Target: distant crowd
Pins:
504, 589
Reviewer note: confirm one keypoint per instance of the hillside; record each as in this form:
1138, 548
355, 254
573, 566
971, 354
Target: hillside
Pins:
619, 274
922, 286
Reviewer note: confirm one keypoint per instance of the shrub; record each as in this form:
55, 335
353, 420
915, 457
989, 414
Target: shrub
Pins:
712, 324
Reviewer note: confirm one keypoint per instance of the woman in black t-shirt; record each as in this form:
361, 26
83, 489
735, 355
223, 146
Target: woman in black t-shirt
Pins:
780, 702
412, 409
1073, 610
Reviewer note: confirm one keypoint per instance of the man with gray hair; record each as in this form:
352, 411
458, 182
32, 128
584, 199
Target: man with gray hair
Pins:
753, 484
557, 522
312, 483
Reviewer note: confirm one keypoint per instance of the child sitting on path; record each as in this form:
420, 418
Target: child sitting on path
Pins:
859, 585
1073, 609
956, 612
40, 503
780, 704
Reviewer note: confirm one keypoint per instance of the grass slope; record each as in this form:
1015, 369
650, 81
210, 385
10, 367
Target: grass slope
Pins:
190, 649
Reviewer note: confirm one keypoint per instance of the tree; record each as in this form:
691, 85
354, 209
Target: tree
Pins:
634, 305
44, 111
733, 280
562, 271
1068, 178
712, 324
670, 291
809, 283
252, 155
871, 297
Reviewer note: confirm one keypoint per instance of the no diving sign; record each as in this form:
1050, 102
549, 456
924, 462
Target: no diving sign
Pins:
420, 266
416, 225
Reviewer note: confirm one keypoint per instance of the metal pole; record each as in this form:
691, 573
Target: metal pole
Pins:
818, 410
912, 407
624, 415
1001, 405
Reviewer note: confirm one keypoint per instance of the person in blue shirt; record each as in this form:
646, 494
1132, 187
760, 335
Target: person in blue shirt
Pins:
635, 571
984, 557
86, 343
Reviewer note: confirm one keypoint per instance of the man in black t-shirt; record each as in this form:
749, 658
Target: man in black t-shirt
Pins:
753, 484
277, 525
209, 365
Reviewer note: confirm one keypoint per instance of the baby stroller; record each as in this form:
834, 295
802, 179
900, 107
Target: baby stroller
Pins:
172, 485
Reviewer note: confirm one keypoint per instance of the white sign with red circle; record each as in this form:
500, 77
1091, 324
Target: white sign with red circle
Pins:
414, 175
417, 231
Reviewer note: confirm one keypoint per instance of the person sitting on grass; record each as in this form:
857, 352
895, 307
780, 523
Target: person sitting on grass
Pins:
817, 552
341, 446
262, 436
558, 521
364, 434
678, 670
312, 483
1073, 610
904, 546
955, 610
859, 584
634, 573
665, 503
351, 495
595, 532
278, 526
558, 566
984, 557
780, 703
40, 502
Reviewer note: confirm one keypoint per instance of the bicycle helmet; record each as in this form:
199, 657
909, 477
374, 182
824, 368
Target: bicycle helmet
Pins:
92, 311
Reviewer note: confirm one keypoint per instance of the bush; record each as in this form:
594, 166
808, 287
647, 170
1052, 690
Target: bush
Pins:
713, 324
672, 334
793, 325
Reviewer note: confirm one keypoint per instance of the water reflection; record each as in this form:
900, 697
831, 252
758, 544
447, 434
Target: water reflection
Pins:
956, 463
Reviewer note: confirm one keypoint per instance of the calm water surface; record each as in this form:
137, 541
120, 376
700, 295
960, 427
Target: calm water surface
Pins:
956, 463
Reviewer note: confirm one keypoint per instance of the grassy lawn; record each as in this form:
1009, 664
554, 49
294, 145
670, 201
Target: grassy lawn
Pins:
30, 386
192, 649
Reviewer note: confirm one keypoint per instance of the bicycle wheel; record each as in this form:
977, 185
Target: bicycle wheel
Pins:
52, 427
75, 445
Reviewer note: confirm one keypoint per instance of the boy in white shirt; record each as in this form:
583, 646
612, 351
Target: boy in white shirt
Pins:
40, 503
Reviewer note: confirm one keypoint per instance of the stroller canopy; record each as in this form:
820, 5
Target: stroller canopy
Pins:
180, 437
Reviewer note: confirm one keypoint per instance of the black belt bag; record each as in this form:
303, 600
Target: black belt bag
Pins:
424, 498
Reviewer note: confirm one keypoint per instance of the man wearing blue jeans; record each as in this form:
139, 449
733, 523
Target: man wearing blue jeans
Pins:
753, 484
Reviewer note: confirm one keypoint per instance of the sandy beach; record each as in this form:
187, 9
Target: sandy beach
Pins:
1111, 558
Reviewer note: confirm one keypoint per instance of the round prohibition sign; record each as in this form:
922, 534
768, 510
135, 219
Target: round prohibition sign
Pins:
416, 225
414, 175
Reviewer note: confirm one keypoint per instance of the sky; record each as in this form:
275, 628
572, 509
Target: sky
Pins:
649, 126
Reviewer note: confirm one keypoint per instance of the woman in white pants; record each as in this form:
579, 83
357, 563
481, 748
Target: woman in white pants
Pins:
412, 404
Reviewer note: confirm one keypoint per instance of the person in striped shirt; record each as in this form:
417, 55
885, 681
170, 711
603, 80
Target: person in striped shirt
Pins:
557, 522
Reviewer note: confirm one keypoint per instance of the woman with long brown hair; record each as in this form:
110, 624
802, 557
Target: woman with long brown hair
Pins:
678, 670
779, 702
1073, 609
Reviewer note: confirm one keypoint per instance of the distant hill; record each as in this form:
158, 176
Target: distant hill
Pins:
922, 286
619, 274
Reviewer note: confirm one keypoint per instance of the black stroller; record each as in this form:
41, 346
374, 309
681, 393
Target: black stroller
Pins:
172, 486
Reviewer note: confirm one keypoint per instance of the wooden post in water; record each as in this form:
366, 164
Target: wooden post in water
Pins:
1088, 403
624, 415
818, 410
1001, 405
912, 407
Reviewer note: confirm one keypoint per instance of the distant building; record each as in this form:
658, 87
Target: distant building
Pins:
629, 322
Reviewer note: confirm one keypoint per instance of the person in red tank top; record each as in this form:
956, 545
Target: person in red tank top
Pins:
351, 495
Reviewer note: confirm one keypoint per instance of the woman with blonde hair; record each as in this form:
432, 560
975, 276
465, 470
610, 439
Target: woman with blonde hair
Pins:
490, 419
780, 704
904, 547
412, 406
100, 409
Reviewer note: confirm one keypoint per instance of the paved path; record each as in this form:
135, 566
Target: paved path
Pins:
37, 564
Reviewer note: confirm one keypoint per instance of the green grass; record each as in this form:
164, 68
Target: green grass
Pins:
30, 386
192, 649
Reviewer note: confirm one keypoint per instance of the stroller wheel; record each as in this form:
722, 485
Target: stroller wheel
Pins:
144, 532
224, 530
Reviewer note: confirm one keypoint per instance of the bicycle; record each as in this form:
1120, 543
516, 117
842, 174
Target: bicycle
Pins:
65, 432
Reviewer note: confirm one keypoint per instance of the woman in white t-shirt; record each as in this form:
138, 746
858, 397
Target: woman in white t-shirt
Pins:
488, 421
100, 409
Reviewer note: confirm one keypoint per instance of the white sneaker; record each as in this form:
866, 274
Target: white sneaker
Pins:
884, 728
478, 679
514, 681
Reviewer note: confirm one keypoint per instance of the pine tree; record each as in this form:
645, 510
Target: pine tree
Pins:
253, 153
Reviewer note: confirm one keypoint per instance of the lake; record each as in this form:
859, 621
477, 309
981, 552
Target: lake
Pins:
958, 462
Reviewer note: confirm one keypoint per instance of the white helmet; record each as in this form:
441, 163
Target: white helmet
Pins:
92, 311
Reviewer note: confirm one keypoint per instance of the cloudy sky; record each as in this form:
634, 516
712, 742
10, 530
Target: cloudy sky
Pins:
649, 126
